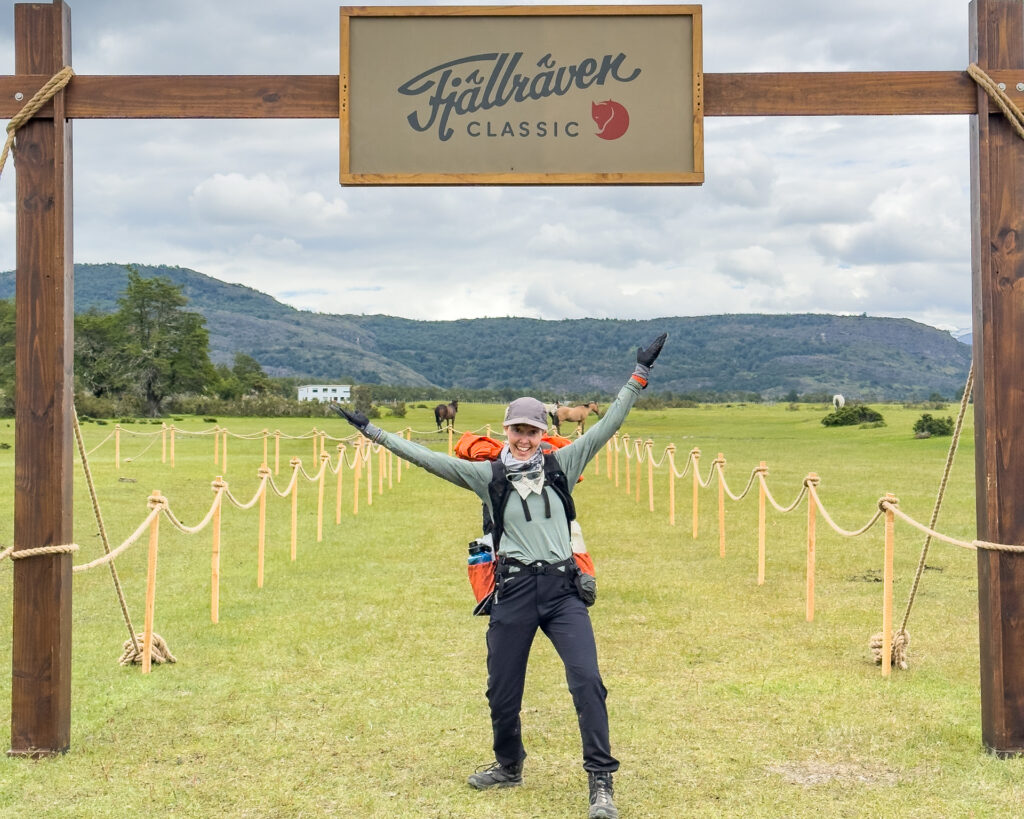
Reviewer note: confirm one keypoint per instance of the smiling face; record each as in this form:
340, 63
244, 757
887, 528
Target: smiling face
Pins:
523, 440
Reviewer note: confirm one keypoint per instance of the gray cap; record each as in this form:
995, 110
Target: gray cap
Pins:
526, 411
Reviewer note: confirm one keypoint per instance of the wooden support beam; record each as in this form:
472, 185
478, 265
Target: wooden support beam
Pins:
316, 96
997, 240
44, 303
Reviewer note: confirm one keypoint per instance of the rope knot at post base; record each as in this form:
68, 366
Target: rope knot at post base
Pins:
159, 653
900, 643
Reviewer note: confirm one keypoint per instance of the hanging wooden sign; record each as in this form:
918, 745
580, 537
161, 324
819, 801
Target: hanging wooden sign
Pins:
521, 95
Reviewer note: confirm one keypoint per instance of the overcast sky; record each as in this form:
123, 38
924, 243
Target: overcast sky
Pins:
835, 215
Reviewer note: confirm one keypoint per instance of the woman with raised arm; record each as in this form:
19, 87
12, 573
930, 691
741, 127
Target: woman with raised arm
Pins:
538, 584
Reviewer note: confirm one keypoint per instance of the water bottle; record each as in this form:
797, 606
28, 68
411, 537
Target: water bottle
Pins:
480, 552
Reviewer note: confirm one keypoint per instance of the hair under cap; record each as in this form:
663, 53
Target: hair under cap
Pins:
526, 411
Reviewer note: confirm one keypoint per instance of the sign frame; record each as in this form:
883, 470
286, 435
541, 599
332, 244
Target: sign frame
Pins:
350, 175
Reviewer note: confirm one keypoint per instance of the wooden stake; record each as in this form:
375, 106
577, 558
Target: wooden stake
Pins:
720, 468
316, 439
265, 433
625, 447
296, 463
671, 451
695, 456
324, 458
812, 509
358, 470
215, 551
391, 469
608, 459
262, 536
369, 474
277, 452
761, 523
650, 474
154, 540
381, 465
117, 446
337, 492
450, 433
887, 571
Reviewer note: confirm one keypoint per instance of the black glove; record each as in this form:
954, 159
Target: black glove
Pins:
356, 419
647, 355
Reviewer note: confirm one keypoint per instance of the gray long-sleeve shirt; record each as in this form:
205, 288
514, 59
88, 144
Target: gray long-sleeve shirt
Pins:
540, 538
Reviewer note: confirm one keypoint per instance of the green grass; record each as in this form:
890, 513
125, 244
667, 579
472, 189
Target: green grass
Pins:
353, 683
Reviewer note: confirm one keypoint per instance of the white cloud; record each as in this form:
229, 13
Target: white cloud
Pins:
797, 214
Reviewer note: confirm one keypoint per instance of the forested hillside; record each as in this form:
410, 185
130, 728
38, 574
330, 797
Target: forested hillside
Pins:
767, 355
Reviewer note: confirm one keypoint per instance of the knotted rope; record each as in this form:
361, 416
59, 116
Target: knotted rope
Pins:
29, 110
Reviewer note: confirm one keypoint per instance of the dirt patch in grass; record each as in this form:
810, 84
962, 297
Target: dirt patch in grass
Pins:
816, 772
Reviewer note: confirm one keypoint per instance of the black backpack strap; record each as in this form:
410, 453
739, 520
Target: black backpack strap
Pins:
556, 479
497, 491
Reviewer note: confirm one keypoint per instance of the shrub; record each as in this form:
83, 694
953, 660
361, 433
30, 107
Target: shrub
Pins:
398, 410
852, 415
209, 420
926, 426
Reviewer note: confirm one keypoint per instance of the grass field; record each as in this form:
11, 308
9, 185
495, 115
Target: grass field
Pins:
353, 683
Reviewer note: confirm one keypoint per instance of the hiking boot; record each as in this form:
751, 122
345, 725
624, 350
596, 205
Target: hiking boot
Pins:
601, 792
497, 775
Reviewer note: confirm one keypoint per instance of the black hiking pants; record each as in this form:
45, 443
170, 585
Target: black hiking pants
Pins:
526, 602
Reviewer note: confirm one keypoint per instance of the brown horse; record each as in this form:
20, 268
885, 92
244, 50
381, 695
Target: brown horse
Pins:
578, 414
446, 412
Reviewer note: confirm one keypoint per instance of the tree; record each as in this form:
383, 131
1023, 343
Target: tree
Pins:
249, 374
101, 365
170, 346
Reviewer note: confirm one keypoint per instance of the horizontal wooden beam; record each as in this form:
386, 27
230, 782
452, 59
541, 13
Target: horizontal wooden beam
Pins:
184, 97
315, 96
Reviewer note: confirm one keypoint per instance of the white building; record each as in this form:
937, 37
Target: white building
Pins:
325, 392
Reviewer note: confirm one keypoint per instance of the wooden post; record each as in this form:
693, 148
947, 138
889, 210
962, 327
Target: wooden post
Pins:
224, 457
277, 452
357, 469
671, 450
369, 474
261, 539
316, 441
450, 433
720, 469
639, 450
695, 456
890, 542
43, 401
761, 523
295, 464
616, 439
117, 446
997, 239
629, 471
215, 551
337, 491
608, 459
154, 542
650, 474
324, 458
812, 509
265, 433
381, 466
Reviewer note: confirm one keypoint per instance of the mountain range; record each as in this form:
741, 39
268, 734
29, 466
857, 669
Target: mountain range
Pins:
864, 357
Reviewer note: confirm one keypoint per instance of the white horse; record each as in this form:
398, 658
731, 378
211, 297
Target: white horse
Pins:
838, 401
